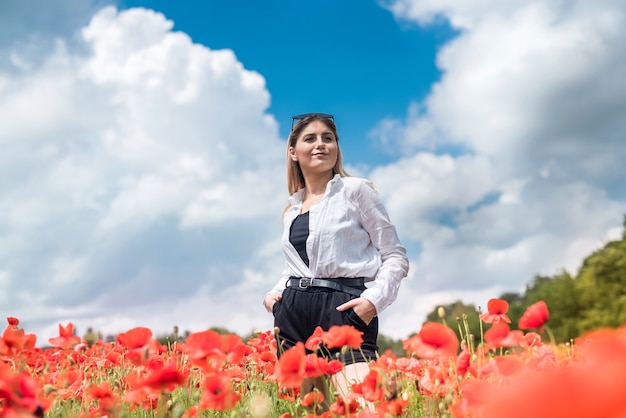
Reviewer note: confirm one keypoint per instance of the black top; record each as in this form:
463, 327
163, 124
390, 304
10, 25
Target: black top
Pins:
298, 233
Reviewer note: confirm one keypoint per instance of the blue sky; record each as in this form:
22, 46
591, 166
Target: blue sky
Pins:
142, 167
350, 58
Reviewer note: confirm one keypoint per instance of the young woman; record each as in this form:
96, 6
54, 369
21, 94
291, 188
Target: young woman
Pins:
337, 236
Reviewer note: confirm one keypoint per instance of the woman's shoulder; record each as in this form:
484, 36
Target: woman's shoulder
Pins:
357, 183
357, 187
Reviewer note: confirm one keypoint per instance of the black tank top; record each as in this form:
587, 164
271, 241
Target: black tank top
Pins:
298, 233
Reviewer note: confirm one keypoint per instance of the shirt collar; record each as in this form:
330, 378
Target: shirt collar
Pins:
296, 198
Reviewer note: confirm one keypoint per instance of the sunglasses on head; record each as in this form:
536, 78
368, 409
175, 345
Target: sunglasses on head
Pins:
297, 118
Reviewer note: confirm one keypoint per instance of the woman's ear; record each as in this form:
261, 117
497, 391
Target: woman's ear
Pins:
292, 154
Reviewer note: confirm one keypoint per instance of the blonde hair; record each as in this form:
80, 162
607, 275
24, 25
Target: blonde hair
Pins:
295, 178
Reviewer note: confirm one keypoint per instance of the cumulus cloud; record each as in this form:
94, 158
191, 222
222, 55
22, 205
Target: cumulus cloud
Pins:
519, 142
142, 174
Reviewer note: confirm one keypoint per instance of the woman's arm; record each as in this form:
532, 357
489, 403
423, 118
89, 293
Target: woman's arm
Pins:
395, 264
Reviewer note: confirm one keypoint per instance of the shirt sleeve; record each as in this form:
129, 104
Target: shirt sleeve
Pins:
394, 262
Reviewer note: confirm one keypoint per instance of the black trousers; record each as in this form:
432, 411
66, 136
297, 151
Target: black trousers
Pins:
300, 311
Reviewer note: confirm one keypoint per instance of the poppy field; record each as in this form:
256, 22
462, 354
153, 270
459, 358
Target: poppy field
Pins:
499, 373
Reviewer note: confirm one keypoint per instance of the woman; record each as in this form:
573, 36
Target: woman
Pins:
337, 236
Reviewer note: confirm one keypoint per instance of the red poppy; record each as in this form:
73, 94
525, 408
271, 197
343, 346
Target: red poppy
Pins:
315, 340
107, 400
66, 338
463, 362
531, 339
318, 366
167, 376
496, 312
15, 340
499, 335
433, 340
342, 336
342, 409
13, 321
332, 367
209, 343
18, 394
200, 345
218, 394
394, 408
312, 398
135, 338
371, 388
475, 392
436, 380
233, 348
535, 316
291, 366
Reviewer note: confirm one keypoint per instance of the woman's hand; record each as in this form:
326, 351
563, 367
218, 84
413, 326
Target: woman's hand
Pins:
270, 300
362, 307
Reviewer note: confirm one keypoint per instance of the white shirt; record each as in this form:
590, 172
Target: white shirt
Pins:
350, 235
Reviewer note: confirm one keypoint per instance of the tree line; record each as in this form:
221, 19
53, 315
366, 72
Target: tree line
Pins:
595, 297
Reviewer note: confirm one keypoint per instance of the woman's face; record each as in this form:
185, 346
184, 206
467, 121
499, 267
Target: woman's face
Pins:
316, 149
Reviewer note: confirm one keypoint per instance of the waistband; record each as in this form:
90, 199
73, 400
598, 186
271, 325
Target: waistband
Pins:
341, 284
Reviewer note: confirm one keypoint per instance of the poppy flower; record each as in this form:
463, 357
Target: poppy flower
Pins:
167, 376
291, 366
139, 343
535, 316
200, 345
433, 340
371, 388
332, 367
341, 408
315, 340
19, 395
463, 362
135, 338
14, 340
66, 338
436, 380
13, 321
499, 335
496, 312
531, 339
107, 400
339, 336
218, 394
233, 348
312, 398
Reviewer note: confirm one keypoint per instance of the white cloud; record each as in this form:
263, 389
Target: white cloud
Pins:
514, 158
140, 171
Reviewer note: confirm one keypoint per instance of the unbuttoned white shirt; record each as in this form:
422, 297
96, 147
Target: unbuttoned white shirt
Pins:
350, 235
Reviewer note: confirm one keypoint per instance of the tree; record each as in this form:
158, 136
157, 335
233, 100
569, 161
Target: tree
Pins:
602, 286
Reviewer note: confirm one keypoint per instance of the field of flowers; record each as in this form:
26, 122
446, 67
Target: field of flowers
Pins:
501, 373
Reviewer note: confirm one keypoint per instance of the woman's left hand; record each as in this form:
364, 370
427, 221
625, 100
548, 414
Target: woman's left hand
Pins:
362, 307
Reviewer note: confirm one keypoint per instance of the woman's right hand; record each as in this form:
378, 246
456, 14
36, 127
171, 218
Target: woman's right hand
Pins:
270, 300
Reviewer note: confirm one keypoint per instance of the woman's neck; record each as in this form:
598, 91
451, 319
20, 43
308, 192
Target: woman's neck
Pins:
316, 185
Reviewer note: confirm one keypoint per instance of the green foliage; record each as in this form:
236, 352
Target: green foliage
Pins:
602, 286
593, 298
386, 343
